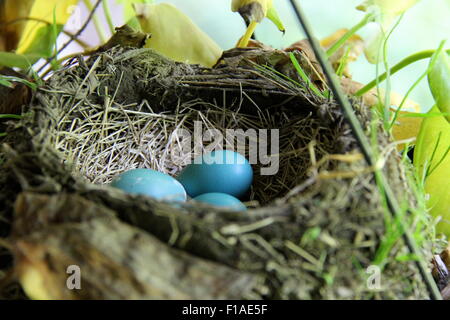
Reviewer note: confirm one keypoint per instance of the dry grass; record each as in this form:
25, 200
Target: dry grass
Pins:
102, 141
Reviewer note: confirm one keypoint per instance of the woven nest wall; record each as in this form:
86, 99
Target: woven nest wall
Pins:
311, 232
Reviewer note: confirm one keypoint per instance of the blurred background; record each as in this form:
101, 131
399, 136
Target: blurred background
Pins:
422, 28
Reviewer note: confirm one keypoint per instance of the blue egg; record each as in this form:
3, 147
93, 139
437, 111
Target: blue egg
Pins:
150, 183
221, 200
220, 171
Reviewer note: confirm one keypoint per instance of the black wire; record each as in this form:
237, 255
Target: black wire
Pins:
365, 147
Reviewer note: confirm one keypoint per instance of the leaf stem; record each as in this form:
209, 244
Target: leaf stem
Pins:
348, 34
10, 116
433, 60
387, 96
402, 64
97, 22
108, 15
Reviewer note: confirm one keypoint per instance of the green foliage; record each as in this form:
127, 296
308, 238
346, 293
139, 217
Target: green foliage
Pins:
15, 60
9, 116
43, 45
304, 77
399, 66
427, 71
439, 81
7, 81
335, 47
343, 63
432, 161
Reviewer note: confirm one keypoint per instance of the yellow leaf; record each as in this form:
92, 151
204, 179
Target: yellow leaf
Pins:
33, 283
432, 160
11, 14
175, 35
352, 49
406, 127
43, 10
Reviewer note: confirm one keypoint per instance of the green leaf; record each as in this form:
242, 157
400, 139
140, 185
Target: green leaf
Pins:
303, 75
425, 115
11, 116
44, 13
439, 82
14, 60
432, 162
10, 79
5, 82
44, 42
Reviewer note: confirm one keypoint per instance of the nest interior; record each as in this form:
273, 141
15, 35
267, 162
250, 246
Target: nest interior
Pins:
315, 226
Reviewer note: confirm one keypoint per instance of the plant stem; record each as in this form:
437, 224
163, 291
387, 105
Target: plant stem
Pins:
433, 60
248, 34
97, 22
402, 64
387, 96
10, 116
108, 16
304, 76
348, 34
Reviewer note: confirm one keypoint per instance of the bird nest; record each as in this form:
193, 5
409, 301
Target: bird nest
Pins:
314, 225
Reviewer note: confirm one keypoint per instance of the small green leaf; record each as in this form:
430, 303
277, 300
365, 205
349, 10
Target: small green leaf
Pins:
407, 257
11, 116
45, 12
14, 60
425, 115
7, 80
303, 75
439, 82
44, 42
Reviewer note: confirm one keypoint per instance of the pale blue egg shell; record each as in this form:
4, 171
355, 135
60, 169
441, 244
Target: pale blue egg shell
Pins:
222, 171
222, 200
150, 183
